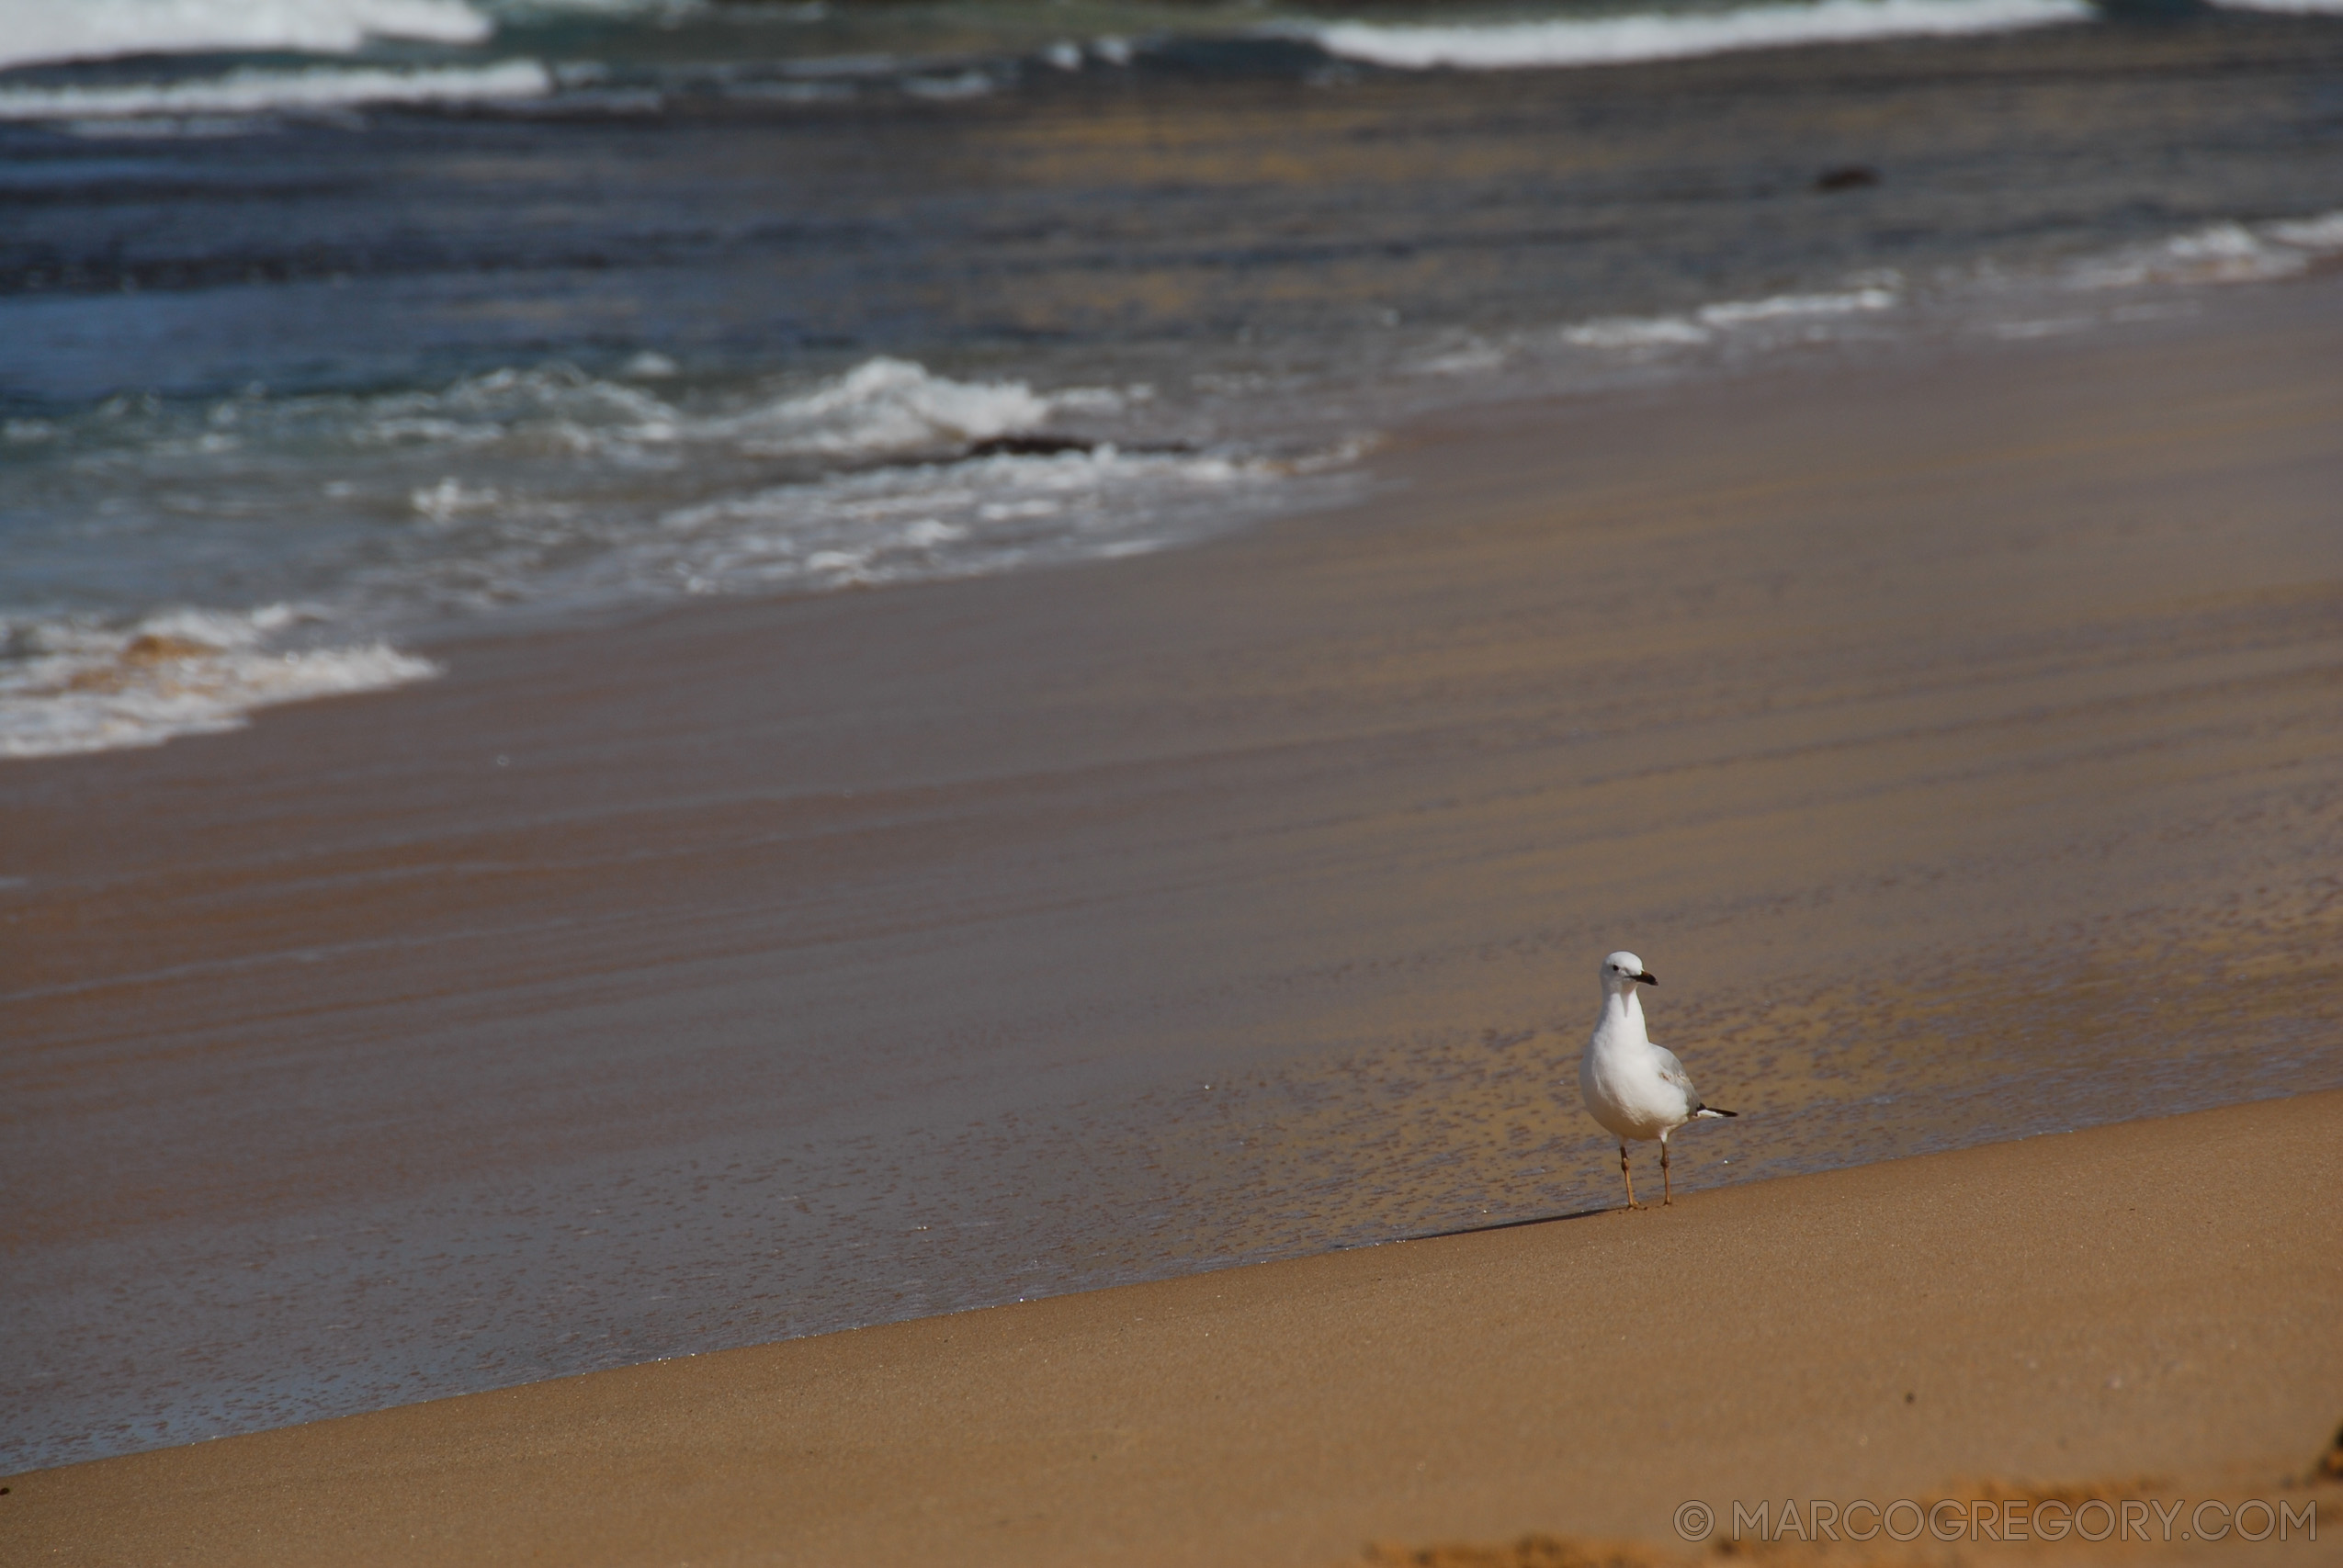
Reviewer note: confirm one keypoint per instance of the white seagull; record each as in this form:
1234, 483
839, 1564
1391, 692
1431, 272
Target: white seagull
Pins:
1636, 1089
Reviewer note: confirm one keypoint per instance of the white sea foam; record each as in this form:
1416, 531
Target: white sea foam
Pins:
2218, 253
33, 30
550, 408
1474, 356
887, 405
961, 84
1780, 307
2316, 234
956, 520
886, 492
256, 91
1634, 334
1637, 332
68, 684
659, 10
881, 407
556, 489
1666, 35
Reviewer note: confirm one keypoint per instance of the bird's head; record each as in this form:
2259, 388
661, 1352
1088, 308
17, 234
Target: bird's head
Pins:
1621, 971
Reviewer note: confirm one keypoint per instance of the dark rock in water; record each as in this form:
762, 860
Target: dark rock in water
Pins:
1029, 445
2151, 10
1847, 176
1041, 446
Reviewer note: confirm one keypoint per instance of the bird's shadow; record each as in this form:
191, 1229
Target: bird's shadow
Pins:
1499, 1225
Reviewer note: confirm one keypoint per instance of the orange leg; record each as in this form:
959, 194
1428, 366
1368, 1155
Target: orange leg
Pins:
1667, 1190
1630, 1176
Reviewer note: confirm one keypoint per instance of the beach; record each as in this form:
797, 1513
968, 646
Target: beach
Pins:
2142, 1312
836, 782
1955, 736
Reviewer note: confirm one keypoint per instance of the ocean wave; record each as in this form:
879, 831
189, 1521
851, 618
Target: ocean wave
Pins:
881, 407
505, 11
556, 488
553, 490
37, 30
2218, 252
79, 682
1701, 326
887, 405
256, 91
971, 518
878, 410
553, 407
1666, 35
905, 491
1637, 332
71, 684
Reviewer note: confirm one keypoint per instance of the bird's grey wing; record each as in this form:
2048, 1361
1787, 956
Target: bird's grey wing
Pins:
1673, 1071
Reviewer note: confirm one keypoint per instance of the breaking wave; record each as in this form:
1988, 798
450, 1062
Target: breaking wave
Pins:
1703, 326
254, 90
70, 685
554, 489
37, 30
2218, 253
1664, 35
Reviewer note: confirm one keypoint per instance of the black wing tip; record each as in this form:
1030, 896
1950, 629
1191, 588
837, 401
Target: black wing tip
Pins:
1716, 1110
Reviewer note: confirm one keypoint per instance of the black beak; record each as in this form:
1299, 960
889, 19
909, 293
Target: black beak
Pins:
1648, 978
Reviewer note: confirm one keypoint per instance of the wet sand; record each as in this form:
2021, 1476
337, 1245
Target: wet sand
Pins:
2132, 1313
1958, 738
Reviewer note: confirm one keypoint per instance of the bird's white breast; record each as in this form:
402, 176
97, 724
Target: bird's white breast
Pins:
1620, 1076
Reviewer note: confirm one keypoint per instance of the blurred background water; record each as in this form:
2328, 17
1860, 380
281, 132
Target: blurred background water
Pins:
326, 325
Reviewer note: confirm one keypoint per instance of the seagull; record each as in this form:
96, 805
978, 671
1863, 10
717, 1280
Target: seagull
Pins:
1636, 1089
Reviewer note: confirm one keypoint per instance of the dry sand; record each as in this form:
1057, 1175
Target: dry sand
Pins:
2146, 1311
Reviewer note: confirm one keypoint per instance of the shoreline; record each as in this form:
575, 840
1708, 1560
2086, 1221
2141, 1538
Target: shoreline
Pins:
2135, 1311
1021, 934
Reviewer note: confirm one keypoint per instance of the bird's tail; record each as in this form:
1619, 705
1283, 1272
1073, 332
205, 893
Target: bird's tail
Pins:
1712, 1111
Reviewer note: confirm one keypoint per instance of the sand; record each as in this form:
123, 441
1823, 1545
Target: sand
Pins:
1958, 737
2138, 1312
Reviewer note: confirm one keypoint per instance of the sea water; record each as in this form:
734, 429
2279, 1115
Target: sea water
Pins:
329, 327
